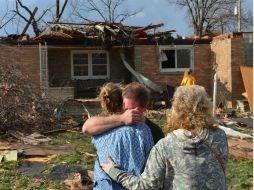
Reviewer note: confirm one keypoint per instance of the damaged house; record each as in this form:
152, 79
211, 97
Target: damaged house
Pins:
74, 60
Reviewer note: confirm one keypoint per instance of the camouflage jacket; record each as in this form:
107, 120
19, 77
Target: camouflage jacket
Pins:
180, 162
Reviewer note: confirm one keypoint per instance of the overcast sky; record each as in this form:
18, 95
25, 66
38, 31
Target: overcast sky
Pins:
153, 11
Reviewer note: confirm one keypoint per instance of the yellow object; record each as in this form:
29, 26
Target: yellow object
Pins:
188, 80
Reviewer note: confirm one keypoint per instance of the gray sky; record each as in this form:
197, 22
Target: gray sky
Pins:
153, 12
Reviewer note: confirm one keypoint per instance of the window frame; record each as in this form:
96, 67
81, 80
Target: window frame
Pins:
90, 65
177, 47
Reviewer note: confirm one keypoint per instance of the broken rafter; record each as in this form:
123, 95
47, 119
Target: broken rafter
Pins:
164, 33
30, 20
150, 26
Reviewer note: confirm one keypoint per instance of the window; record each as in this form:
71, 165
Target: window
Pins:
89, 65
176, 58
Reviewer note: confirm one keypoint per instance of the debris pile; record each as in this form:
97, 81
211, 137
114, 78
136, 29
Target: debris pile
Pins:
23, 106
101, 30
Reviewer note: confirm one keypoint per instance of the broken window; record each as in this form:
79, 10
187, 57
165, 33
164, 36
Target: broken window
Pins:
176, 58
89, 65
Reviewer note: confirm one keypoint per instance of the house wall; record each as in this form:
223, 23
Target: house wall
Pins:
238, 59
59, 67
228, 56
59, 64
25, 58
147, 63
221, 54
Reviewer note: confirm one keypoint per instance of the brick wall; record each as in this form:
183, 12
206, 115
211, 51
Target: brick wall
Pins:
59, 63
228, 56
147, 63
221, 54
59, 67
238, 59
203, 66
24, 57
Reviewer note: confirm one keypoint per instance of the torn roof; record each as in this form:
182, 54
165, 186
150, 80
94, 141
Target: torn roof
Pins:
100, 30
104, 34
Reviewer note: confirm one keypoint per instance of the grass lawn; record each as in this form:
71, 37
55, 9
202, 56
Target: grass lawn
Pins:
239, 173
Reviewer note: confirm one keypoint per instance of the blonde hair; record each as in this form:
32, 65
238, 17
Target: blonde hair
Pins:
111, 98
191, 109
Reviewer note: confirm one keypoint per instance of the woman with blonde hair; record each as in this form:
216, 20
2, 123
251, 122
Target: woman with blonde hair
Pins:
110, 97
192, 156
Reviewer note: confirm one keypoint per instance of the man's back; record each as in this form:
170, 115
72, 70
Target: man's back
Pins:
128, 146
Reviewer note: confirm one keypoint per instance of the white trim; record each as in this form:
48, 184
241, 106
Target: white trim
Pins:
90, 66
43, 54
176, 47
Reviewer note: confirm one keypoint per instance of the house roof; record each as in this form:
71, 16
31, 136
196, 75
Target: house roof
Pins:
99, 30
105, 34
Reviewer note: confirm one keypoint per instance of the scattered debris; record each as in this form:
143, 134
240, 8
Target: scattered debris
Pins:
8, 155
23, 105
107, 33
63, 172
46, 150
31, 168
39, 158
233, 133
34, 138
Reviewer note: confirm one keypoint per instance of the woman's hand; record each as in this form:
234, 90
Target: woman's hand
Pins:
107, 166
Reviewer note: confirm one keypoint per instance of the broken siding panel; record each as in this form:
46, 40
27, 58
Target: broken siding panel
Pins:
247, 74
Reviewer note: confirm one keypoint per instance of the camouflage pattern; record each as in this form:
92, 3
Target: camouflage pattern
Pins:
180, 162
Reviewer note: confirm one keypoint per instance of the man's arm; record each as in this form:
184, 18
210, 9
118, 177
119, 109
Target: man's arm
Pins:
99, 124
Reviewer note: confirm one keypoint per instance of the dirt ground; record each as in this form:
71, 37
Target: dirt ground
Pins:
240, 148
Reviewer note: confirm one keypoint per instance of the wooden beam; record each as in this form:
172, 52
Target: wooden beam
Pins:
164, 33
29, 21
150, 26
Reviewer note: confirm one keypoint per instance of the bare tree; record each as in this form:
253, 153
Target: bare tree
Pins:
22, 11
32, 19
6, 16
59, 12
246, 19
206, 15
110, 11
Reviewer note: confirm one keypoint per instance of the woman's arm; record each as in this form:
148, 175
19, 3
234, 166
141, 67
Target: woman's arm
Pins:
151, 178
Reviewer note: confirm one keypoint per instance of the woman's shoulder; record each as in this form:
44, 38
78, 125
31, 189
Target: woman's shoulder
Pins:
218, 133
167, 142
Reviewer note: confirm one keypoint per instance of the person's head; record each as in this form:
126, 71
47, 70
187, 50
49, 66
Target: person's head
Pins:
135, 95
111, 98
189, 71
191, 108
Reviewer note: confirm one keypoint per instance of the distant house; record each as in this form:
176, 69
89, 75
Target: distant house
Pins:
75, 61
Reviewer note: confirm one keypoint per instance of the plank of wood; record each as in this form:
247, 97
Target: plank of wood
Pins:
247, 75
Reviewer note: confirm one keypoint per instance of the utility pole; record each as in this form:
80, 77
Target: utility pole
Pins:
239, 16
